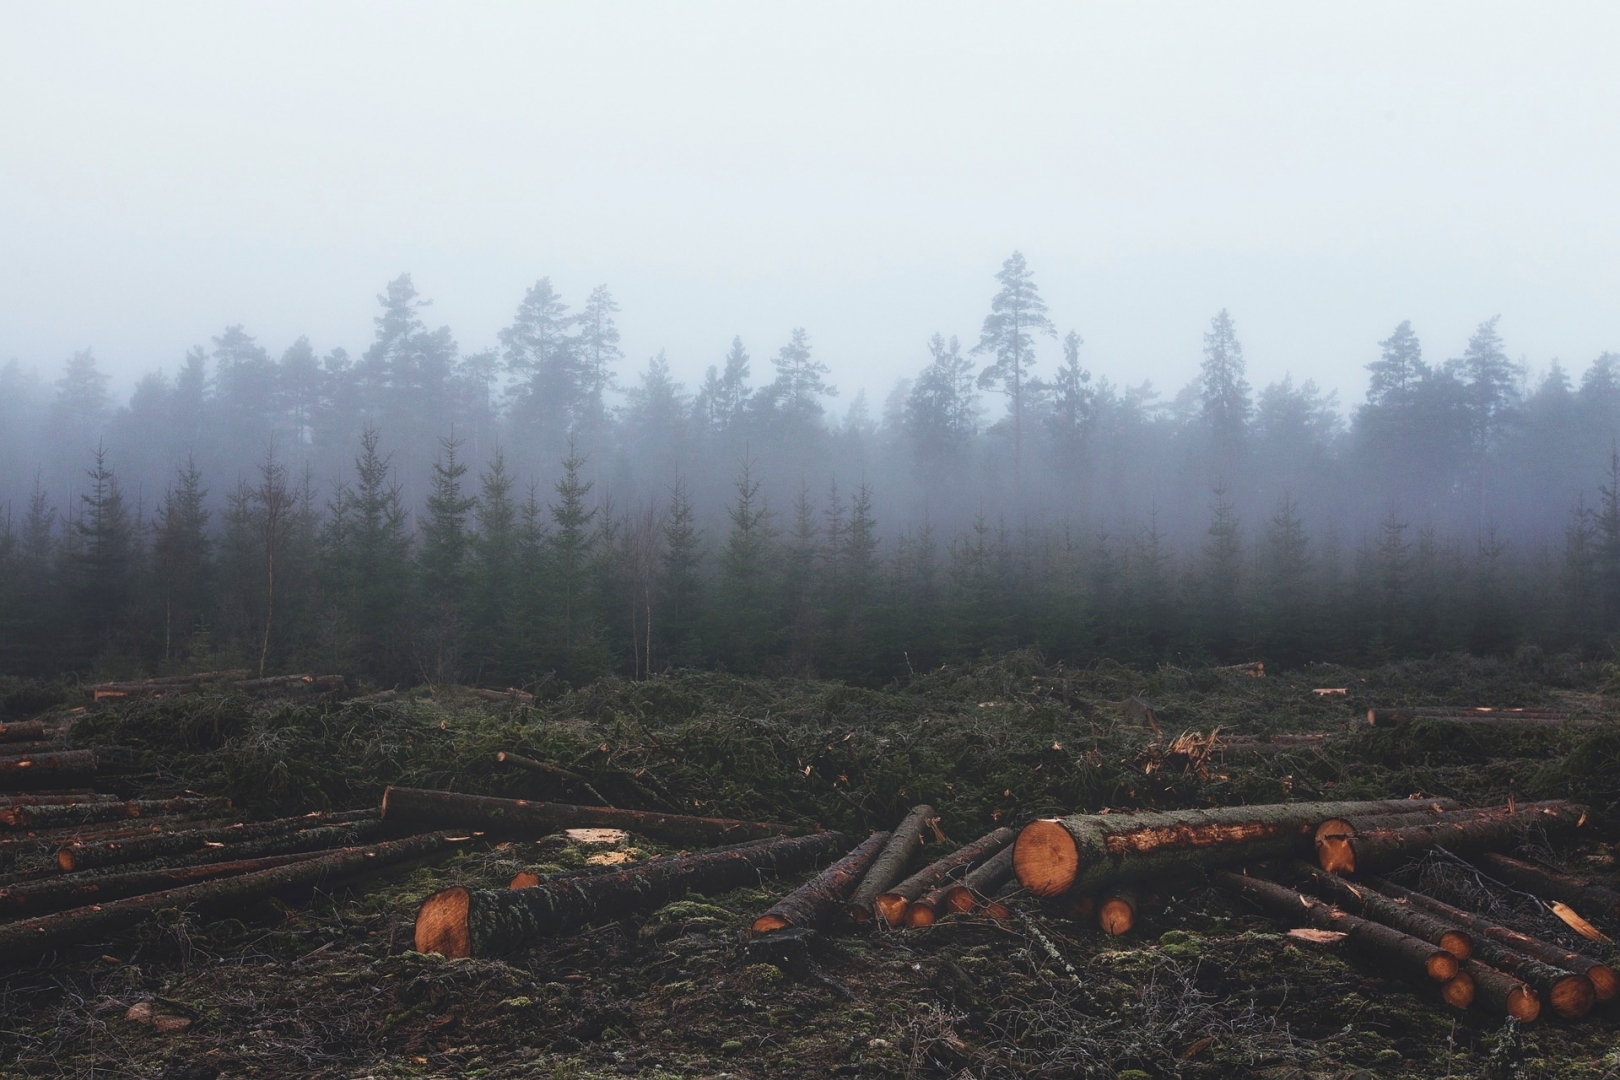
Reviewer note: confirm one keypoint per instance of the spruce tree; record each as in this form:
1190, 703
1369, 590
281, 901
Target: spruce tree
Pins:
369, 553
571, 547
442, 562
1288, 569
103, 562
744, 617
1223, 584
495, 579
1017, 313
1224, 389
181, 561
681, 586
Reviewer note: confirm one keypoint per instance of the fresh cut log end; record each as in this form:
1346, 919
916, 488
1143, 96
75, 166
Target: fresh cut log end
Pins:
1457, 943
891, 909
958, 899
1442, 967
768, 922
525, 879
1604, 982
1523, 1004
1045, 857
1572, 997
920, 914
1117, 914
1458, 992
1336, 854
442, 926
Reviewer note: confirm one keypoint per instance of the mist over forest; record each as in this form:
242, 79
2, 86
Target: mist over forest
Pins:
551, 508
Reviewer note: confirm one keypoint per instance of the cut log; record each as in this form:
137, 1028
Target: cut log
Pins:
1092, 851
1363, 900
999, 906
893, 861
968, 895
29, 937
459, 921
1459, 990
56, 799
1426, 814
522, 697
891, 905
1410, 956
1116, 915
171, 681
818, 901
1381, 849
43, 770
1552, 970
441, 809
95, 887
1581, 895
1333, 835
1397, 717
1503, 995
88, 855
20, 843
506, 757
49, 816
22, 731
290, 684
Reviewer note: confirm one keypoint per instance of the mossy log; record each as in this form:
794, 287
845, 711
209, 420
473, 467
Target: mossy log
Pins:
1403, 953
1092, 851
1361, 899
1502, 995
1381, 849
459, 921
86, 855
818, 901
440, 809
1569, 982
1584, 896
970, 894
56, 816
29, 937
22, 731
1332, 835
893, 861
98, 886
891, 905
20, 772
1116, 914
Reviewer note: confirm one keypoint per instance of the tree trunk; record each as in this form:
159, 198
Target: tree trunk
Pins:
1596, 899
1381, 849
1501, 994
295, 683
1116, 915
1410, 956
448, 808
1090, 851
1570, 982
93, 887
818, 901
893, 861
459, 921
22, 731
1397, 717
56, 799
970, 894
511, 694
88, 855
1333, 835
891, 905
42, 770
999, 906
1359, 899
29, 937
52, 816
172, 681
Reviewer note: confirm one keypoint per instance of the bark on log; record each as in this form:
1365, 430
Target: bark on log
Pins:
1581, 895
968, 895
1382, 849
1600, 977
47, 841
57, 799
1333, 835
22, 731
29, 937
172, 680
1411, 956
818, 901
448, 808
1502, 994
1116, 915
86, 856
891, 905
893, 861
1397, 717
94, 887
40, 770
506, 757
52, 816
522, 697
459, 921
1091, 851
292, 683
1363, 900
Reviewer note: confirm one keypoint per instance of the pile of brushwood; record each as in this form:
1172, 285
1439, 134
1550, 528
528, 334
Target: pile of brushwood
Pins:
704, 848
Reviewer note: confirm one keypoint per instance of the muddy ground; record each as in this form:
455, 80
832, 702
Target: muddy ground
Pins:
328, 986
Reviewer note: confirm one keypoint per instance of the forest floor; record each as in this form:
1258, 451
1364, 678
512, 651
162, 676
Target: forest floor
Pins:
329, 987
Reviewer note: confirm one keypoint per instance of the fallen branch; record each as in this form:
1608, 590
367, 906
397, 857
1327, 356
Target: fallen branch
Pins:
73, 890
892, 862
892, 905
1381, 849
55, 815
818, 901
1604, 902
1398, 717
88, 855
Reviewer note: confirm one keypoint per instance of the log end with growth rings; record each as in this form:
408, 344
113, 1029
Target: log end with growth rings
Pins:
1523, 1004
1335, 854
1458, 991
960, 899
1442, 966
1457, 943
920, 915
1116, 916
441, 924
891, 908
1045, 857
1605, 984
525, 879
769, 922
1571, 997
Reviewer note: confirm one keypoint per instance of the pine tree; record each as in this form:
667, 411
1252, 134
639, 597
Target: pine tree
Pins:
540, 356
599, 350
494, 599
1223, 570
744, 617
570, 548
800, 381
442, 562
1225, 390
681, 587
1392, 378
1288, 566
1017, 313
1070, 415
941, 413
369, 549
181, 559
103, 561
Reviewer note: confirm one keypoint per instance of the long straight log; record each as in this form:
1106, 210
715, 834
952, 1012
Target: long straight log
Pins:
1502, 994
172, 680
892, 905
970, 894
94, 887
46, 817
296, 683
1090, 851
88, 855
22, 731
1363, 900
1397, 717
1600, 977
1413, 957
1333, 835
818, 901
459, 921
56, 799
41, 770
1382, 849
1581, 895
47, 841
893, 861
448, 808
29, 937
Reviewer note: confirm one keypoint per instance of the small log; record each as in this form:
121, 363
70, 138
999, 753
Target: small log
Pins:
30, 937
522, 697
22, 731
1600, 901
459, 921
1459, 990
96, 887
1398, 717
39, 770
52, 816
47, 841
1381, 849
893, 861
891, 905
1502, 994
1363, 900
87, 855
506, 757
290, 683
1333, 835
520, 816
999, 906
1116, 915
968, 895
1091, 851
817, 902
1570, 982
1411, 956
171, 681
56, 799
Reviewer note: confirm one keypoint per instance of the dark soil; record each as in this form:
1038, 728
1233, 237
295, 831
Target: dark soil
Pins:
328, 987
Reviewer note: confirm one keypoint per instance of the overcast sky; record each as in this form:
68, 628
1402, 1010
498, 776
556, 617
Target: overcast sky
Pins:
860, 170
